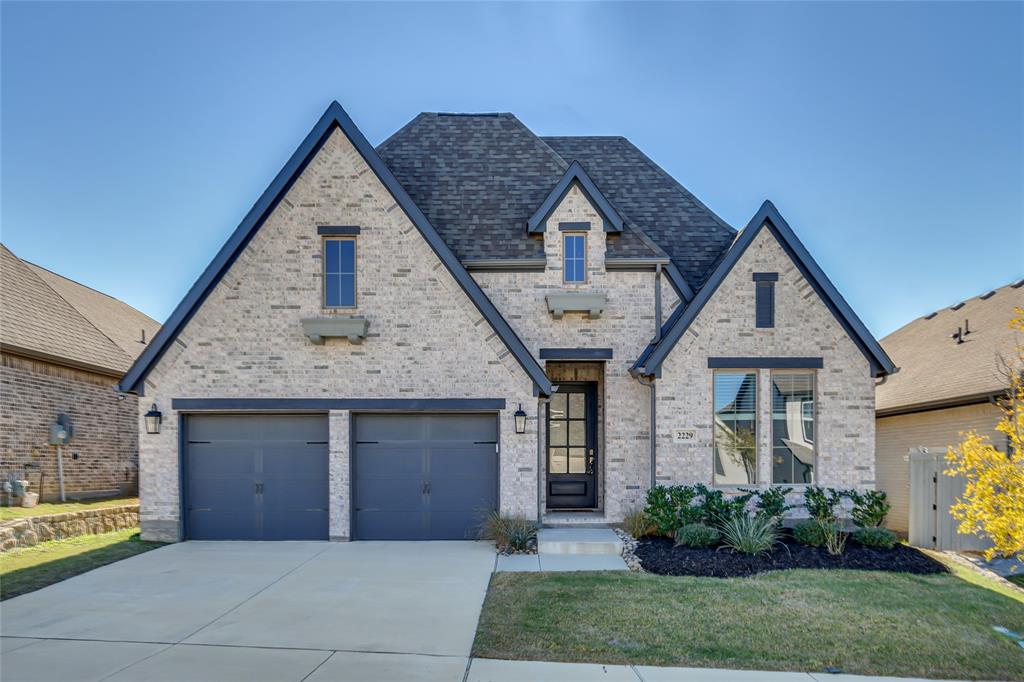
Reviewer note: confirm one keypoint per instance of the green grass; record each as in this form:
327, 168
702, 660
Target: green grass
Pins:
869, 623
29, 569
1016, 579
42, 509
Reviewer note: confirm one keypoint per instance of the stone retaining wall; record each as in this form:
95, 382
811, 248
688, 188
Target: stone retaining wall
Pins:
18, 533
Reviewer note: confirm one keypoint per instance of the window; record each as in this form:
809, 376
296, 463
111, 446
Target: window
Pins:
574, 257
339, 273
764, 300
735, 430
793, 427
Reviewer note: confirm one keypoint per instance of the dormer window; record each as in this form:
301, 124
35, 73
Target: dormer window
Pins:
574, 258
340, 273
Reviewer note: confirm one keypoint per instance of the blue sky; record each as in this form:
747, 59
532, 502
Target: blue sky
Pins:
891, 136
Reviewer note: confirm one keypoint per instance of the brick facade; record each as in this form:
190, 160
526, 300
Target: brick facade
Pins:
427, 340
102, 456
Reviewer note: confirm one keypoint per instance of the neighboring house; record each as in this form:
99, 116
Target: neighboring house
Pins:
63, 347
358, 358
950, 374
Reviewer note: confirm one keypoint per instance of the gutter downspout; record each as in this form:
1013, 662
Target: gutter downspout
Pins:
542, 405
657, 304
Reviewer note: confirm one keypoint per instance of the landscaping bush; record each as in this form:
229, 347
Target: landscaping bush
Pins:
834, 537
771, 502
510, 534
869, 508
637, 524
697, 535
810, 532
821, 503
750, 534
669, 507
879, 538
715, 508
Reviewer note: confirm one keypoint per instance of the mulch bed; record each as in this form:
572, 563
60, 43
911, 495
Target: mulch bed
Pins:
660, 555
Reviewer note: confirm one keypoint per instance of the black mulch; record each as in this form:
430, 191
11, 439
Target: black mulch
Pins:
660, 555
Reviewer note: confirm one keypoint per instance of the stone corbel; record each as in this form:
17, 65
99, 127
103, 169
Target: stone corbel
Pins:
590, 302
319, 328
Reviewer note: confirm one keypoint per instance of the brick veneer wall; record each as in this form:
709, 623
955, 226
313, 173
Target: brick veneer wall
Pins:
804, 327
33, 393
426, 338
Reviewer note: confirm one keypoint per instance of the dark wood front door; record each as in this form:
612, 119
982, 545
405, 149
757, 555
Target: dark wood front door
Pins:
572, 447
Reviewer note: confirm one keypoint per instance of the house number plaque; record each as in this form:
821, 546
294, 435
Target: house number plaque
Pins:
684, 435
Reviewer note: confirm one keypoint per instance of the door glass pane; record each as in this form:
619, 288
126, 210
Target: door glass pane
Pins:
577, 434
577, 460
557, 406
577, 405
556, 432
557, 461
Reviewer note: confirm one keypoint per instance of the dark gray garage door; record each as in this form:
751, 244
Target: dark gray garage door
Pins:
256, 477
424, 477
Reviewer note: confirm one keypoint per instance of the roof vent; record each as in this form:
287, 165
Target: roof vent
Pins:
967, 326
143, 339
1017, 285
958, 335
958, 306
988, 295
931, 315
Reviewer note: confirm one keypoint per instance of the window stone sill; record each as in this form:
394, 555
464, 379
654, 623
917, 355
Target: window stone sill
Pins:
589, 302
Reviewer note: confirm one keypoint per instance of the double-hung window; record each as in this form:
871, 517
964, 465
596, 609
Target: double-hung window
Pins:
340, 273
793, 453
574, 257
735, 430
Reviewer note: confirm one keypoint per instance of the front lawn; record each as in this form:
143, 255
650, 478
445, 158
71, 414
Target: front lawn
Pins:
29, 569
864, 622
45, 508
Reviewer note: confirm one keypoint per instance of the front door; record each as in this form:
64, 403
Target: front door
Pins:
572, 447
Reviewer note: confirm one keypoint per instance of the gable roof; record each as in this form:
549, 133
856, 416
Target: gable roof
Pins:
767, 217
479, 177
575, 175
692, 235
334, 117
935, 370
57, 320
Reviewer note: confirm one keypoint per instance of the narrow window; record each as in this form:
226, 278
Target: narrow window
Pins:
339, 273
793, 452
735, 431
574, 257
764, 304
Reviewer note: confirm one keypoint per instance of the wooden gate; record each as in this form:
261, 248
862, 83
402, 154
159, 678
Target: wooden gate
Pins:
931, 495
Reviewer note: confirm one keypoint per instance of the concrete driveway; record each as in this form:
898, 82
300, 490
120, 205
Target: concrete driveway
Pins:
256, 611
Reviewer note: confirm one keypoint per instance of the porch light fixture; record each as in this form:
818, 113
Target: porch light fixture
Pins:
520, 420
153, 419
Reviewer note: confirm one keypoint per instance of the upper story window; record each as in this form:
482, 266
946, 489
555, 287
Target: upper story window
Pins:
735, 429
340, 273
574, 257
764, 300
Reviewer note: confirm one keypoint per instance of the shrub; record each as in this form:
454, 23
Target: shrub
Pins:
869, 508
810, 532
771, 502
750, 534
835, 538
697, 535
879, 538
510, 534
637, 524
669, 507
821, 503
715, 508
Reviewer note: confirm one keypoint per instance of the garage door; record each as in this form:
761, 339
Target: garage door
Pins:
256, 477
424, 477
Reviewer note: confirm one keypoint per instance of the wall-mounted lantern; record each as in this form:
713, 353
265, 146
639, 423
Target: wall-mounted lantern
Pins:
153, 419
520, 420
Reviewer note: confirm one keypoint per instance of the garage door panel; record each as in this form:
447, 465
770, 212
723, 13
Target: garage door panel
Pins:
220, 459
221, 492
223, 427
294, 524
294, 492
219, 524
287, 459
395, 455
375, 460
298, 428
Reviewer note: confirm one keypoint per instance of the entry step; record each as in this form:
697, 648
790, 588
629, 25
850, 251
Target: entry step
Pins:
578, 541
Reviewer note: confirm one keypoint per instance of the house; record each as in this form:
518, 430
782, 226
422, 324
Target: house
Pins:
471, 317
950, 375
63, 348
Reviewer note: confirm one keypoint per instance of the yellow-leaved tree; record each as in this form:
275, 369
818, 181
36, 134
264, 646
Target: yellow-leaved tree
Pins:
993, 502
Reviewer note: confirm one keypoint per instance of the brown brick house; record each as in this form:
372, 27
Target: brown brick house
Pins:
63, 346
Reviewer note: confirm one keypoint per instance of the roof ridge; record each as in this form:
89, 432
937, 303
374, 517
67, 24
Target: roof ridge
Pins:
68, 303
984, 296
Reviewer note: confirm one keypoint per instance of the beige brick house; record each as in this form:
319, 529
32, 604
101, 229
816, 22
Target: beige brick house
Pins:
63, 347
950, 374
471, 317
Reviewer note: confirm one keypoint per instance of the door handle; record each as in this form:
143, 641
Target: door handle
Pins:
258, 488
590, 462
426, 488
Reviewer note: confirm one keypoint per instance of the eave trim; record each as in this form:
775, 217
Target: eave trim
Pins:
324, 404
